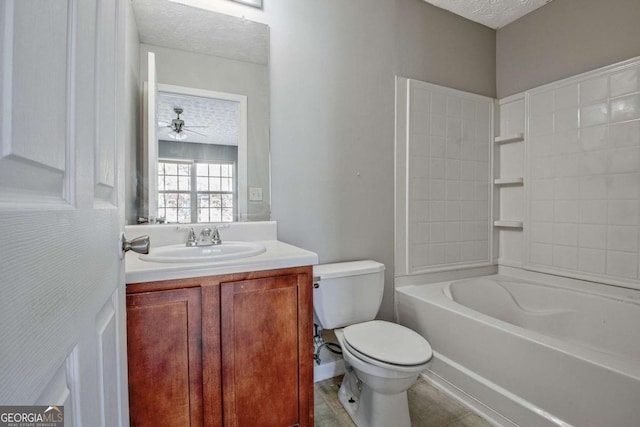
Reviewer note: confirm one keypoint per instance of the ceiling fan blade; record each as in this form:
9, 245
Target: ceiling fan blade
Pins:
193, 131
197, 126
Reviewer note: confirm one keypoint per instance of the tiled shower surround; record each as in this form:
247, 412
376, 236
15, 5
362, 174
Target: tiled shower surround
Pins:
584, 175
571, 201
449, 145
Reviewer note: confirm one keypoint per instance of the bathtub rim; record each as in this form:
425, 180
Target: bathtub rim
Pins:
581, 285
438, 297
627, 299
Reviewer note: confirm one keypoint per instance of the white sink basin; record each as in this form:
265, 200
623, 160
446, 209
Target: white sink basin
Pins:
226, 251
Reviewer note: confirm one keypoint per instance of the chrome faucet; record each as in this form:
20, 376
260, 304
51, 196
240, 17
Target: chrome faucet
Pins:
206, 238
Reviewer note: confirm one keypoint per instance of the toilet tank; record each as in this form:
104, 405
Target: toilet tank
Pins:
346, 293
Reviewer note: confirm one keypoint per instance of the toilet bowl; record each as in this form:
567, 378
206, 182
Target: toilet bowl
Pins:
382, 359
374, 388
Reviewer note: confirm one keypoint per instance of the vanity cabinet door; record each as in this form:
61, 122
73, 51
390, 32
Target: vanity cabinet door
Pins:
165, 358
266, 331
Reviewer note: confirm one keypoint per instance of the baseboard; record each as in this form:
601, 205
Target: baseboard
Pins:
325, 371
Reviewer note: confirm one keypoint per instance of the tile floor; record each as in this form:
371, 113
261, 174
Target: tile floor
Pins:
429, 407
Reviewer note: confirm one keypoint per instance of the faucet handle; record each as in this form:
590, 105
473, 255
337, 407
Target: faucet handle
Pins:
191, 238
215, 239
216, 235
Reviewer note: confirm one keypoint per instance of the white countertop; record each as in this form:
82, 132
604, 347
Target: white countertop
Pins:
277, 255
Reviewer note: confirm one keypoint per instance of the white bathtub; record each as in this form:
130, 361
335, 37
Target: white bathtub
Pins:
532, 354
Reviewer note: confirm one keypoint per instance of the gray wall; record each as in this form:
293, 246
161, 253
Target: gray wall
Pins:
333, 65
564, 38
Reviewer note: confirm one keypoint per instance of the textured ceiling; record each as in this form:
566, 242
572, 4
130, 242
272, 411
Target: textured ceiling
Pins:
168, 24
492, 13
220, 118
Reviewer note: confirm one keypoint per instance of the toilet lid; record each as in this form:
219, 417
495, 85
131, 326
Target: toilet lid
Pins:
388, 342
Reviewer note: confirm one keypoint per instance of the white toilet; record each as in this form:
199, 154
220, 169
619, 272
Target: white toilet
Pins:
382, 359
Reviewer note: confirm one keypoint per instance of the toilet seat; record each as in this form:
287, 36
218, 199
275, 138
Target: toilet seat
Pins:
387, 344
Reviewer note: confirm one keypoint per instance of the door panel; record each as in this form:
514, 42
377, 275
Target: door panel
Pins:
107, 70
107, 345
33, 153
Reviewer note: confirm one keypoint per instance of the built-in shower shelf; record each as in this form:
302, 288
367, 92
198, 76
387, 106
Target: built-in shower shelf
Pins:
509, 138
508, 224
509, 181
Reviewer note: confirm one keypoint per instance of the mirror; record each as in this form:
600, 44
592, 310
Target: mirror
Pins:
207, 154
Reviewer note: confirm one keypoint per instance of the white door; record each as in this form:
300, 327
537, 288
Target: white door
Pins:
62, 324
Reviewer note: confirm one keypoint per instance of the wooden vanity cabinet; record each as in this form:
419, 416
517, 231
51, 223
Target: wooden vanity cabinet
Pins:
232, 350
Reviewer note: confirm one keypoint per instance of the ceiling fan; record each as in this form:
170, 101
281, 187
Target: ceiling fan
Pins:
179, 129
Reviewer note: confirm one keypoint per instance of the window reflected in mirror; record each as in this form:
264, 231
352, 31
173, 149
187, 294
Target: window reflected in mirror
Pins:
196, 191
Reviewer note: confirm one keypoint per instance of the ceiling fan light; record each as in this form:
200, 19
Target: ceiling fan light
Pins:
181, 136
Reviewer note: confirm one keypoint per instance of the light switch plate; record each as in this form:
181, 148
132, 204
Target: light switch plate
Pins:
255, 194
